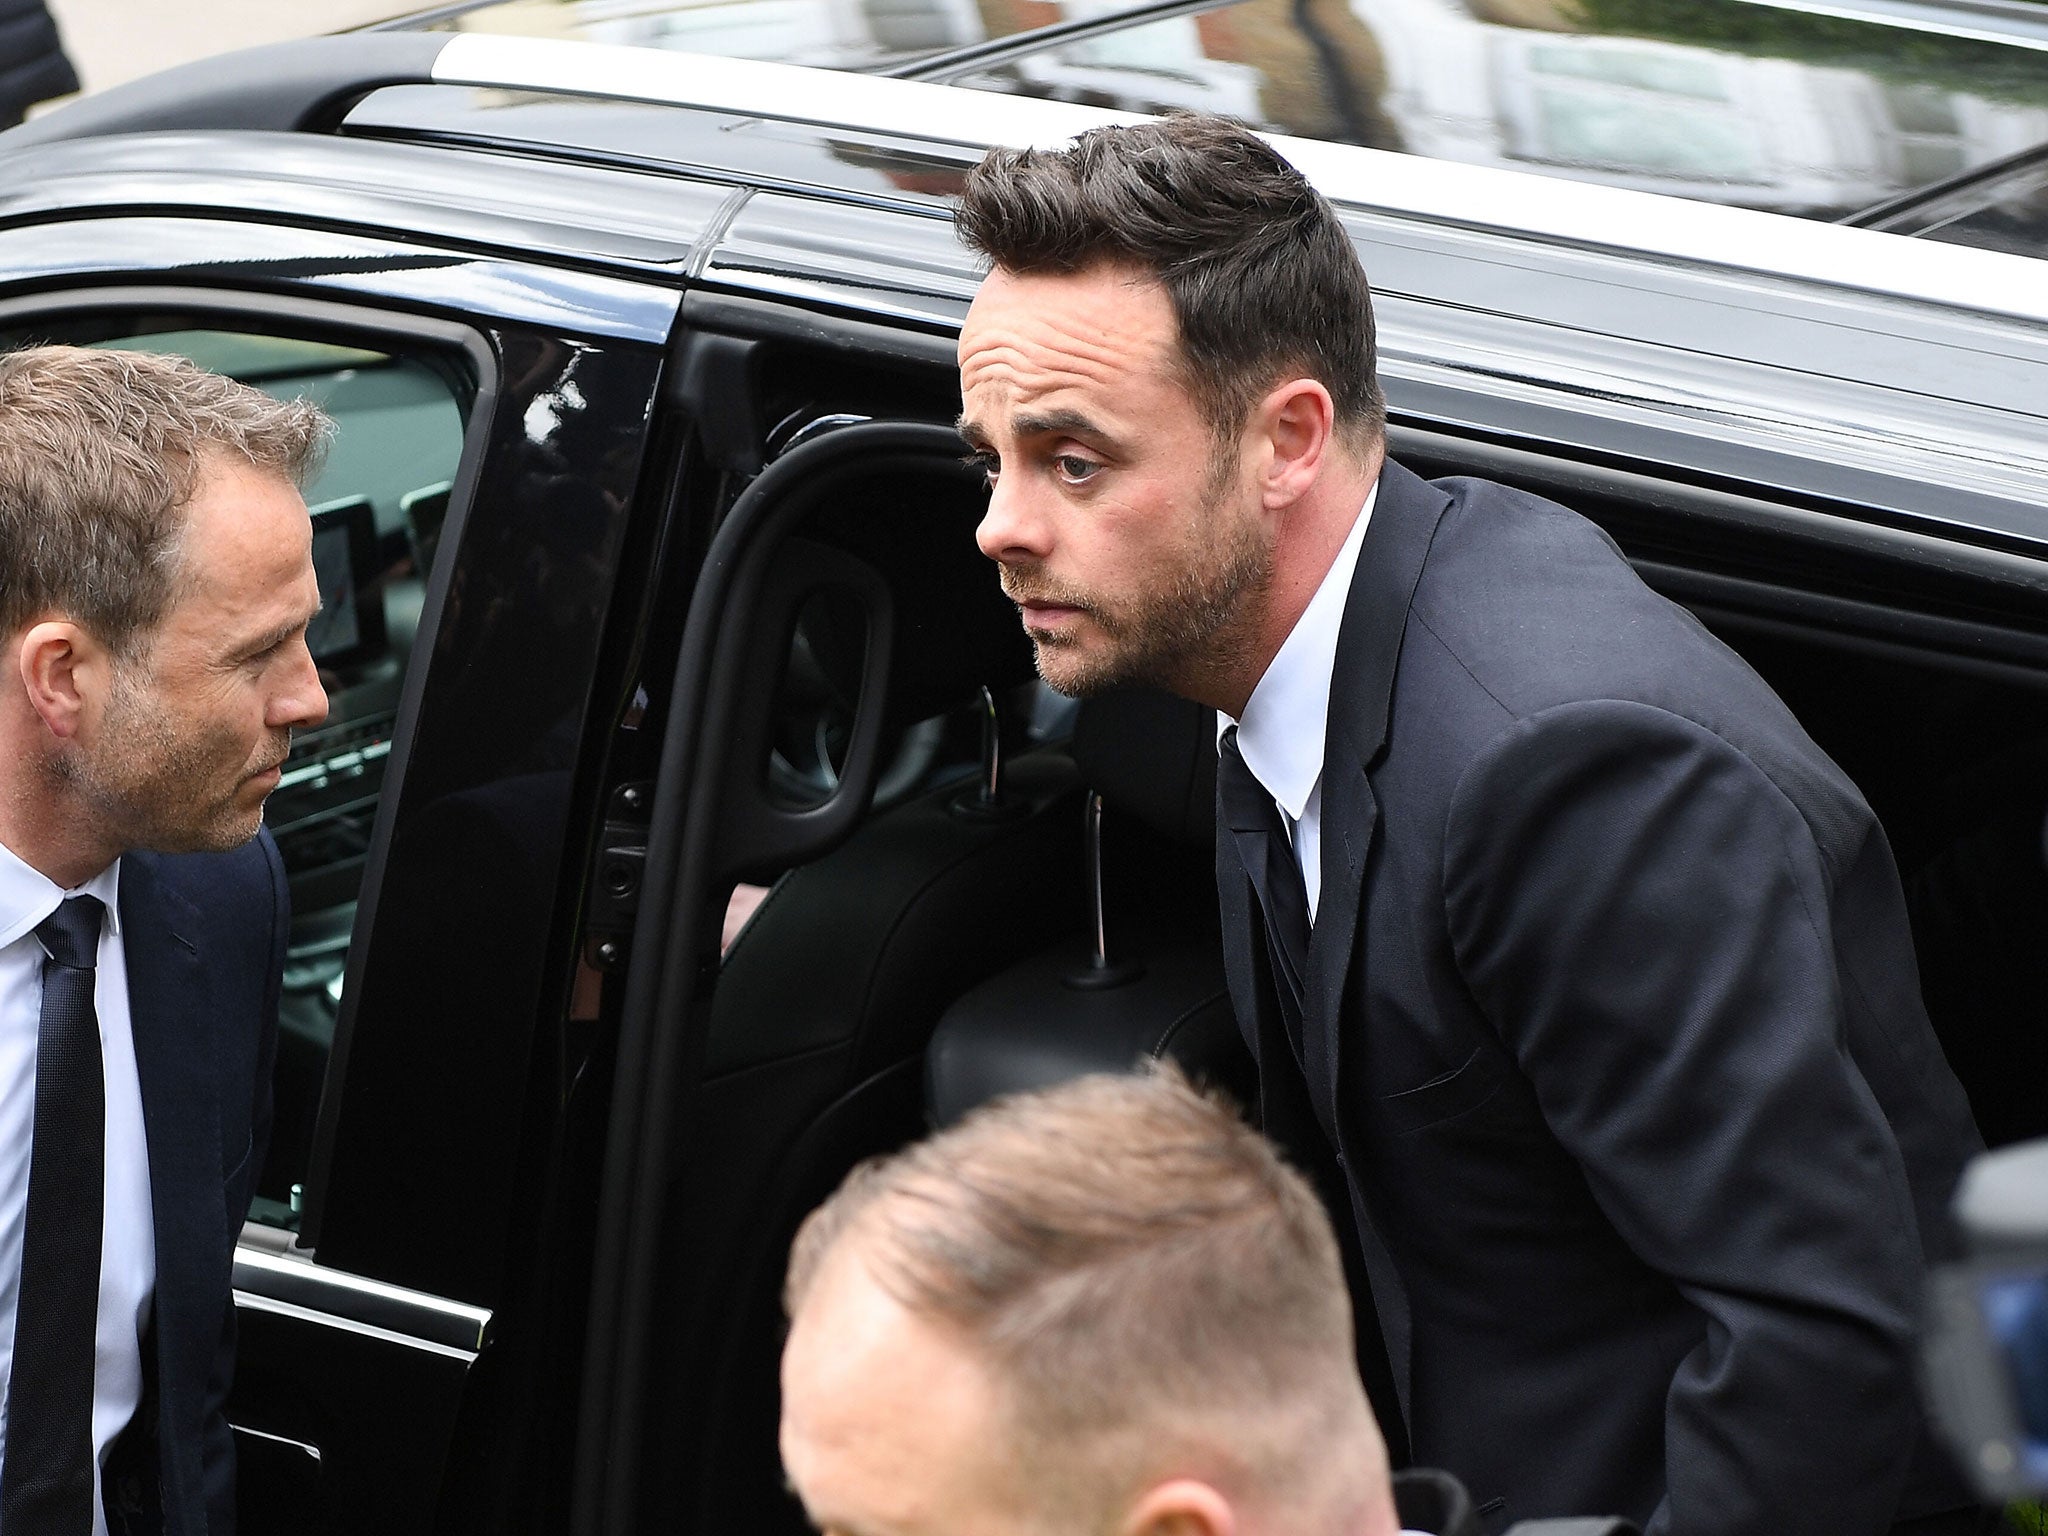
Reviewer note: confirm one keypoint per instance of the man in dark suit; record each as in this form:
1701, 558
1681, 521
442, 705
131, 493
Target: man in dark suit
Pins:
156, 582
1578, 971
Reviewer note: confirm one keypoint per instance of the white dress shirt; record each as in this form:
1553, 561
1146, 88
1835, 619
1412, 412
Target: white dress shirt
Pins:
1287, 718
127, 1242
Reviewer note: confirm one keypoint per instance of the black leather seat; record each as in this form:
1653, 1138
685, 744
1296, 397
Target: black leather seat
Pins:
1155, 988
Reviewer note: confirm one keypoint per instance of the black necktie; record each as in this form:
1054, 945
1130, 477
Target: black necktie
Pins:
46, 1467
1268, 857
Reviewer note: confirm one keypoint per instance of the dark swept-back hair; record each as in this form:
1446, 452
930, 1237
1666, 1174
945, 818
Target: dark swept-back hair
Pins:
1263, 280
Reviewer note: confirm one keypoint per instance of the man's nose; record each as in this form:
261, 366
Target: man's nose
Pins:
1012, 529
303, 702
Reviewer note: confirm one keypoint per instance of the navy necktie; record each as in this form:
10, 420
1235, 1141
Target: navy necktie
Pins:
1267, 853
46, 1476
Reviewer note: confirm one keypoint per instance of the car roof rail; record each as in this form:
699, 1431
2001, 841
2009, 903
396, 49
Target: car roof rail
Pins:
308, 84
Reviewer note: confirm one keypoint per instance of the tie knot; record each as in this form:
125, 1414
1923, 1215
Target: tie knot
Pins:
71, 934
1247, 807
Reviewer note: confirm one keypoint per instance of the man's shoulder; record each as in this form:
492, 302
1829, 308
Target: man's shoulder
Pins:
1534, 605
243, 884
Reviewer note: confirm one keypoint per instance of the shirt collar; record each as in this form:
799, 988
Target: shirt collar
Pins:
1287, 718
27, 895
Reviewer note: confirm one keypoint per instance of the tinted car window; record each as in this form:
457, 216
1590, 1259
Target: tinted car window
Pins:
377, 503
1707, 99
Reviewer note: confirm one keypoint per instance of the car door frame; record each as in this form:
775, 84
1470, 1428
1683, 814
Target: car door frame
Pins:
284, 1291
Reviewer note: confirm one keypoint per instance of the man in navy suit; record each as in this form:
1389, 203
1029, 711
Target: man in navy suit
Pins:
156, 583
1579, 973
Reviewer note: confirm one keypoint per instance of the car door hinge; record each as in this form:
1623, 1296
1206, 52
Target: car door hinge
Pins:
620, 871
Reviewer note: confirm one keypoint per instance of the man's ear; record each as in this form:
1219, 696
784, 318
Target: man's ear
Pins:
60, 665
1295, 428
1183, 1506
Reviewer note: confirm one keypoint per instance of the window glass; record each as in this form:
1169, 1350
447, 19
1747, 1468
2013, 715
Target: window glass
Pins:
833, 34
377, 501
1711, 99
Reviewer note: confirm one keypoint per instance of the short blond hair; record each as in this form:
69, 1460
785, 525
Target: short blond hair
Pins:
100, 452
1139, 1268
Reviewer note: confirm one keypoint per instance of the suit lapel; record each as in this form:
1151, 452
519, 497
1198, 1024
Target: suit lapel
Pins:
169, 1004
1404, 521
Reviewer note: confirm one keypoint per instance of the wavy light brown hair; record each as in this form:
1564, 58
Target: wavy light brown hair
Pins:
100, 451
1264, 283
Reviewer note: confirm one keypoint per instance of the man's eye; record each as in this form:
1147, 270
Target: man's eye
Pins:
1074, 467
989, 465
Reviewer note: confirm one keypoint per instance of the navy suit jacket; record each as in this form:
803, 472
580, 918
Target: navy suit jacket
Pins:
205, 940
1614, 1026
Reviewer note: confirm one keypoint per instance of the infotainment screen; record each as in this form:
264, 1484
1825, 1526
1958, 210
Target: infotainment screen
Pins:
350, 625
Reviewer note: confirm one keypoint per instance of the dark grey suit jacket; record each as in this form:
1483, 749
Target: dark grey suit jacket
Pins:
1614, 1024
205, 939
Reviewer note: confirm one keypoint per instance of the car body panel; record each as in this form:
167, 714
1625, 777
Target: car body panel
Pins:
297, 182
1816, 109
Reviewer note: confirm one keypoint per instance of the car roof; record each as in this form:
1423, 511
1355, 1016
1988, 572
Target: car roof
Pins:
1910, 379
1855, 110
915, 139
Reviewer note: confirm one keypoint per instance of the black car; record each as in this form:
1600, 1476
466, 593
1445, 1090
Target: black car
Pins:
651, 588
1927, 117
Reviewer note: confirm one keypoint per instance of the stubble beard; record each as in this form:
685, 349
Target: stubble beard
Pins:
1197, 628
152, 786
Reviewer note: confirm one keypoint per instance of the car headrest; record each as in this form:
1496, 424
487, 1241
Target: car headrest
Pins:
1152, 756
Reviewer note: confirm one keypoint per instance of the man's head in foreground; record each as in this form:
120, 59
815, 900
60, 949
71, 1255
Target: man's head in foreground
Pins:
156, 581
1169, 374
1106, 1308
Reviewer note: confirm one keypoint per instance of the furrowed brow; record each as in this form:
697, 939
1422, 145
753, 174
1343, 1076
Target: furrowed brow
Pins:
1061, 423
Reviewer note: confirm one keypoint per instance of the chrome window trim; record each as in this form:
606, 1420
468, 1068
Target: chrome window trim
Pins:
250, 1302
1528, 205
291, 1283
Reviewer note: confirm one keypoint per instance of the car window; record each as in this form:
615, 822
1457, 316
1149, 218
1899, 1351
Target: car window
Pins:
833, 34
1707, 99
377, 500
